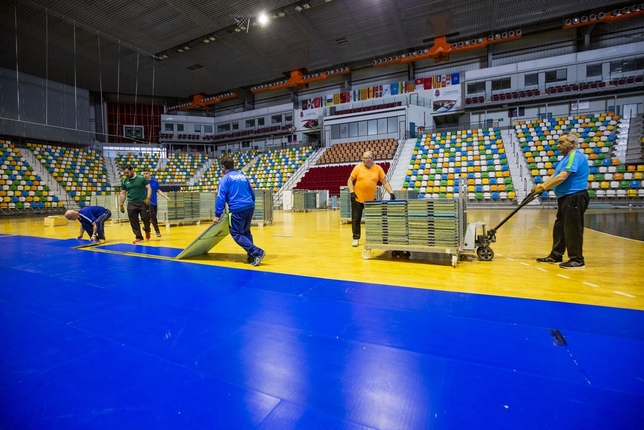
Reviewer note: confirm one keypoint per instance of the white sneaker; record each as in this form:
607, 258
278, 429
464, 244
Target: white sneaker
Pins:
354, 243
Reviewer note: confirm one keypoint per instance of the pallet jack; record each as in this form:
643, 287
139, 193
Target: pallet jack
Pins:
481, 242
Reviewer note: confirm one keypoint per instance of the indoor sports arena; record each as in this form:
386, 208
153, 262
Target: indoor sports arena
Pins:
321, 214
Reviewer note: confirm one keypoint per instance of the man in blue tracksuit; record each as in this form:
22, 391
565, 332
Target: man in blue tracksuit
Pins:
235, 190
92, 220
570, 184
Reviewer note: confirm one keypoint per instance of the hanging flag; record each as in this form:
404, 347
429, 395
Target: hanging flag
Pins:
394, 89
456, 78
336, 99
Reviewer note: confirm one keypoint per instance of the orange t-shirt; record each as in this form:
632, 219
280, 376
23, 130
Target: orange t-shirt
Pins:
365, 181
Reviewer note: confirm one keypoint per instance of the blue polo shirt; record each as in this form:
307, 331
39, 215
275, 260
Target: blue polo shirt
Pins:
154, 184
577, 164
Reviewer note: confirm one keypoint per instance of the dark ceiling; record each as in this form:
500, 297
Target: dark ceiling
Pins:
107, 45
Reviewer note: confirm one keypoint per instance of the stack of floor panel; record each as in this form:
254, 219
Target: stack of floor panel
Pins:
191, 205
446, 223
419, 222
345, 204
207, 205
374, 215
303, 200
176, 207
386, 222
263, 206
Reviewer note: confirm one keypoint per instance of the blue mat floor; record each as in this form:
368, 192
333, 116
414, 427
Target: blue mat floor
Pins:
95, 340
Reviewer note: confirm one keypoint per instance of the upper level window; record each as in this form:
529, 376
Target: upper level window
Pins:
531, 79
501, 84
594, 70
556, 75
476, 87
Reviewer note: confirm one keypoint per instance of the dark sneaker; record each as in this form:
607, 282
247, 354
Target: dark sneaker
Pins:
572, 264
147, 235
249, 258
549, 259
258, 259
137, 240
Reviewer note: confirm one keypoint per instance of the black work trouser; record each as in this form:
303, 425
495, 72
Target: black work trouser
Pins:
134, 210
153, 217
568, 231
356, 217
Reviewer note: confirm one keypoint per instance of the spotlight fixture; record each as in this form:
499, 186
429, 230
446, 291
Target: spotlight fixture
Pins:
180, 50
281, 14
299, 8
186, 48
206, 40
212, 38
306, 6
237, 29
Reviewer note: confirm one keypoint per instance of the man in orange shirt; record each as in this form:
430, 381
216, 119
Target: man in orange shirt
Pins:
362, 186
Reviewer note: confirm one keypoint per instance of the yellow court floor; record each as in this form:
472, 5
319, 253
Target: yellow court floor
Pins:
317, 244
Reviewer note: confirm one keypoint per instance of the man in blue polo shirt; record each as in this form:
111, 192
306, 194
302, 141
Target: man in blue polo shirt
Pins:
235, 190
570, 184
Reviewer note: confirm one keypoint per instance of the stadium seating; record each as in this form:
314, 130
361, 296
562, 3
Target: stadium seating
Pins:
275, 167
20, 189
81, 172
383, 149
180, 167
608, 179
330, 177
441, 160
209, 180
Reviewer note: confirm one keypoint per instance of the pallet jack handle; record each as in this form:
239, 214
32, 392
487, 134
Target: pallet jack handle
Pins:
530, 197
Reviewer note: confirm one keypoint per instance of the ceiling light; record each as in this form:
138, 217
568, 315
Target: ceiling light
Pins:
180, 50
298, 8
206, 40
212, 38
186, 48
237, 29
306, 6
262, 18
281, 14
